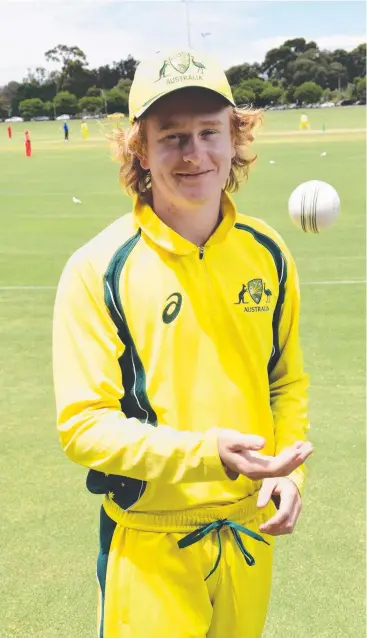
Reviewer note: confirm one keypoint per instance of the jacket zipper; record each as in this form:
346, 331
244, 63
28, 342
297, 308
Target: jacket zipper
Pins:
209, 283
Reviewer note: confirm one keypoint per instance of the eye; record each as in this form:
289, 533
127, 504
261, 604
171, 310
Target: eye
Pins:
172, 137
209, 132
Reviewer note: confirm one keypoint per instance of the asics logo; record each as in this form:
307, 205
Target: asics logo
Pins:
173, 308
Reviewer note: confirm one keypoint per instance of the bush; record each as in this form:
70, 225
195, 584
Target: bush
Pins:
243, 96
270, 95
117, 101
90, 104
31, 108
308, 92
65, 102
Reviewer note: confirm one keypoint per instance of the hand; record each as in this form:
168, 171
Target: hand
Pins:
239, 456
289, 509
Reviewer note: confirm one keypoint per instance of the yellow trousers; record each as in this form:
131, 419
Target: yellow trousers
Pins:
150, 587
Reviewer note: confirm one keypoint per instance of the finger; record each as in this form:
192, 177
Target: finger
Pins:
305, 449
291, 458
295, 513
260, 466
286, 461
252, 442
284, 515
276, 526
266, 492
254, 465
273, 528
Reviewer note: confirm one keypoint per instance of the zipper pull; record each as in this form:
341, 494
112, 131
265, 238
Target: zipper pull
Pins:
201, 252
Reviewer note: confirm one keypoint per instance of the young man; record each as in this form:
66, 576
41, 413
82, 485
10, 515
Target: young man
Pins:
178, 370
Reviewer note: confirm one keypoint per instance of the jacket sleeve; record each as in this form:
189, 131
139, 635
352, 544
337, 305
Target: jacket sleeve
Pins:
288, 382
93, 430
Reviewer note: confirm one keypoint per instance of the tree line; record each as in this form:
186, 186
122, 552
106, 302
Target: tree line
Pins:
296, 72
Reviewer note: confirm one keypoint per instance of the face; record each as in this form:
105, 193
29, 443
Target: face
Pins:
189, 147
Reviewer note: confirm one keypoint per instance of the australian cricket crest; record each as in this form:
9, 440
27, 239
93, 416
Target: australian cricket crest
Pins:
251, 292
181, 61
255, 288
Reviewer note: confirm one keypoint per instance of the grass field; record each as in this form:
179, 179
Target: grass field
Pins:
49, 528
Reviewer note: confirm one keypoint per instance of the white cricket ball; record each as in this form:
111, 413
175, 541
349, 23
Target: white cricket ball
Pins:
313, 206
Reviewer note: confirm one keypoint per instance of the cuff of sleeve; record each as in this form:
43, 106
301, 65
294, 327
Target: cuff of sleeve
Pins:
298, 478
213, 466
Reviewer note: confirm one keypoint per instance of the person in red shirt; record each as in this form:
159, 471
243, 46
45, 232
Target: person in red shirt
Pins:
10, 132
27, 143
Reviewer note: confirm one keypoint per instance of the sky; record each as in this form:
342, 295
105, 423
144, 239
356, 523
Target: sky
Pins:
109, 30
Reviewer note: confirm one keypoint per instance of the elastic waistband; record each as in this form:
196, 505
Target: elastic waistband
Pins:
186, 520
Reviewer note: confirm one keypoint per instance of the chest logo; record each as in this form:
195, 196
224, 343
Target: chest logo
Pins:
173, 307
255, 289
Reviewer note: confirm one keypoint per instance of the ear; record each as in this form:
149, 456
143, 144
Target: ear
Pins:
144, 162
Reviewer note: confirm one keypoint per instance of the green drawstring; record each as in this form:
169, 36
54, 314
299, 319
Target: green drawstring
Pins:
216, 526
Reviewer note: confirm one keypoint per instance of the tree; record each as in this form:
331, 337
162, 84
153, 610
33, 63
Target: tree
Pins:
236, 74
270, 95
308, 92
124, 85
360, 89
255, 84
37, 76
337, 75
126, 68
8, 93
78, 79
117, 102
49, 108
316, 66
65, 102
90, 104
31, 108
3, 109
358, 62
64, 54
107, 77
243, 96
277, 60
93, 91
297, 45
289, 94
67, 56
327, 95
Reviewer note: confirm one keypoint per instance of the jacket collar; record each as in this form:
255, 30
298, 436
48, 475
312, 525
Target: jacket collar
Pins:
162, 235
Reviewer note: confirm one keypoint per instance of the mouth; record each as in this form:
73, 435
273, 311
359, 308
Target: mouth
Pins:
193, 175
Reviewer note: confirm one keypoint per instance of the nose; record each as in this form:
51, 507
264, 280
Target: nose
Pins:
192, 151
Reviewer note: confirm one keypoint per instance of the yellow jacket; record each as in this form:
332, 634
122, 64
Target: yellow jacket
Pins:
150, 330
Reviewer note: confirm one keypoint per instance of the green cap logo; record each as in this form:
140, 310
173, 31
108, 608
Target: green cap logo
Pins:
181, 62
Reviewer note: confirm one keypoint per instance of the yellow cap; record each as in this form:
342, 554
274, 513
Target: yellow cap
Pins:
163, 73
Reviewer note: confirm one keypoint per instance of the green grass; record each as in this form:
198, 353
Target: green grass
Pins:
346, 117
49, 531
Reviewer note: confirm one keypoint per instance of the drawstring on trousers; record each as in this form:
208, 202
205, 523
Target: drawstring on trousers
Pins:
216, 526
